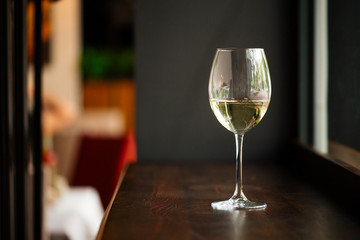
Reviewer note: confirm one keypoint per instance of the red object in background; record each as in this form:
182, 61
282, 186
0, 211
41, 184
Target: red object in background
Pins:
100, 162
50, 158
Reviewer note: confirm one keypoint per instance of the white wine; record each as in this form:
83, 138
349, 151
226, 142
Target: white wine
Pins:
239, 115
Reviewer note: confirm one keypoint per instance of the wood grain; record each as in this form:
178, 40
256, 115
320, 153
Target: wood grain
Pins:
173, 202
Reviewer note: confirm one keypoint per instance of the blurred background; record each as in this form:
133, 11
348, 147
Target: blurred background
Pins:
88, 116
126, 81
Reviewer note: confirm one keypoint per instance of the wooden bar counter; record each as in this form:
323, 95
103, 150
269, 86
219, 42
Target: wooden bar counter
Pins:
158, 201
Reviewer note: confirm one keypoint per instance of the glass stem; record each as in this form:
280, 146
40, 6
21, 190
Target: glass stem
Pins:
238, 194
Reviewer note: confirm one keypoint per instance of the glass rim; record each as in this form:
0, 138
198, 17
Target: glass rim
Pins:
237, 48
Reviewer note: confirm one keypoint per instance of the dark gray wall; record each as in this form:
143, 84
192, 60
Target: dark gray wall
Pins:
175, 44
344, 72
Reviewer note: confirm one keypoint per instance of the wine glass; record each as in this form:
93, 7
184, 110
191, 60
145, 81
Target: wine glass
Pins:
239, 95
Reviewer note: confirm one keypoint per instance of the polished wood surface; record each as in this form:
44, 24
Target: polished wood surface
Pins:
173, 202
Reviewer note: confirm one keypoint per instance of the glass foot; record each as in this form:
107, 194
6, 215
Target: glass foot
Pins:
235, 203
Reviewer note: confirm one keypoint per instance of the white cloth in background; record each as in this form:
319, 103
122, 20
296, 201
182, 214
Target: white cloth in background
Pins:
77, 214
